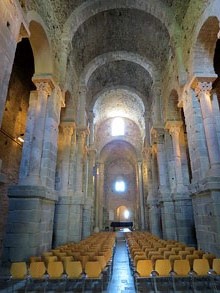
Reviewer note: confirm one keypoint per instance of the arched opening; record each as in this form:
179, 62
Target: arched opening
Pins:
205, 48
14, 120
123, 214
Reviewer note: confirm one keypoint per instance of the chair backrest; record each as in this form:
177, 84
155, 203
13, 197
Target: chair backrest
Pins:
216, 265
74, 269
101, 259
183, 253
209, 257
190, 248
191, 258
201, 266
37, 269
55, 269
50, 258
172, 258
18, 270
181, 267
35, 258
93, 269
166, 254
163, 267
144, 267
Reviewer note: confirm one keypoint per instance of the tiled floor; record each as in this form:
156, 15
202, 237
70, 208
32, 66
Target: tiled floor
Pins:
122, 279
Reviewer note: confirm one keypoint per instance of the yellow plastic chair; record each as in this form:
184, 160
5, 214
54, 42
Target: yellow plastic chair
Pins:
18, 270
37, 277
216, 265
75, 276
56, 279
181, 275
161, 275
142, 276
181, 267
55, 269
93, 275
144, 267
163, 267
201, 266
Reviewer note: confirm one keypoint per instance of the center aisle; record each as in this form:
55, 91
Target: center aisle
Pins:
122, 279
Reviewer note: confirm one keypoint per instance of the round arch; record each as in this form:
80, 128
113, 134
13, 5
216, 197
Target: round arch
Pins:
40, 44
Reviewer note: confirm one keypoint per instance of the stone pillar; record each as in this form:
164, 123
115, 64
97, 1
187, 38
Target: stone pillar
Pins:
183, 213
216, 114
174, 130
167, 209
203, 91
140, 187
36, 147
49, 153
101, 190
32, 202
152, 199
67, 129
63, 209
196, 137
81, 118
80, 157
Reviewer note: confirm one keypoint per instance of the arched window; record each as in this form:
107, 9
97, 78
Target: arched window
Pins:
118, 126
120, 186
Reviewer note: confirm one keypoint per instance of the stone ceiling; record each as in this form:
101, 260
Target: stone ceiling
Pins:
140, 33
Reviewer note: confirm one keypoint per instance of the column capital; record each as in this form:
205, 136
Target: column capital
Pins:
173, 127
68, 127
82, 131
157, 135
202, 84
44, 84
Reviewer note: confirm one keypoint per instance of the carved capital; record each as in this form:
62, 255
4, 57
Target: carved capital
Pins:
174, 131
68, 128
203, 88
157, 135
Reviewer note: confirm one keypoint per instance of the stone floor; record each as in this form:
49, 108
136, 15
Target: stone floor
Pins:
122, 279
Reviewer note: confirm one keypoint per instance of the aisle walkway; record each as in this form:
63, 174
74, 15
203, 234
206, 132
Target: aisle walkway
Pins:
122, 279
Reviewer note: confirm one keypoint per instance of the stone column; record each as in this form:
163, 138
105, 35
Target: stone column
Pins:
140, 187
81, 118
203, 91
174, 130
216, 114
196, 137
49, 153
152, 199
183, 214
43, 91
62, 216
101, 189
26, 149
67, 129
80, 164
167, 209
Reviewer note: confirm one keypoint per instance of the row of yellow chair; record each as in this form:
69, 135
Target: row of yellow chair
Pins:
170, 274
153, 259
90, 259
151, 247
